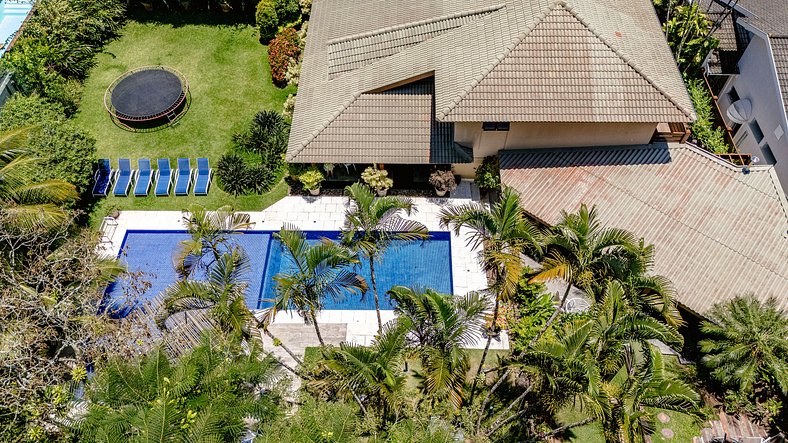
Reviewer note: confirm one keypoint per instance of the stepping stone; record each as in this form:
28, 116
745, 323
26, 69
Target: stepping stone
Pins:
667, 433
663, 417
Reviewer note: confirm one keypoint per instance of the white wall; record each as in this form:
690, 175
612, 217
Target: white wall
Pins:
757, 81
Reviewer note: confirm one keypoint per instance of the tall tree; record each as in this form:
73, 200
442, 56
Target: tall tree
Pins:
373, 224
210, 231
222, 295
370, 375
209, 394
313, 273
26, 203
441, 327
746, 345
503, 234
582, 252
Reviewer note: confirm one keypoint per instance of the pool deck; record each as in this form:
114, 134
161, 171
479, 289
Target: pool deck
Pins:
327, 214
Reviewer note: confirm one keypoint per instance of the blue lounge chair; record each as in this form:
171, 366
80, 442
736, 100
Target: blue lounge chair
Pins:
183, 177
144, 178
103, 177
203, 180
163, 178
125, 177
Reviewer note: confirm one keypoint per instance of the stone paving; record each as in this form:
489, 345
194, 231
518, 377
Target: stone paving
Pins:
327, 213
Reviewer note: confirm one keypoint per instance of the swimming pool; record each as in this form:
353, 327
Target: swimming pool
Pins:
420, 263
12, 15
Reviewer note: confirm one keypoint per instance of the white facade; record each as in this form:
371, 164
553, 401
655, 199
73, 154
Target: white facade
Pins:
757, 82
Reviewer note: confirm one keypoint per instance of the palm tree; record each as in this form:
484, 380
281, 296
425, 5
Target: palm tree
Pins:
222, 294
441, 326
317, 271
371, 375
746, 344
208, 394
28, 203
372, 224
505, 234
209, 232
583, 253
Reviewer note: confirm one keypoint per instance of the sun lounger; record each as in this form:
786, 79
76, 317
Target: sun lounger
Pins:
203, 180
164, 178
125, 177
144, 178
183, 177
103, 177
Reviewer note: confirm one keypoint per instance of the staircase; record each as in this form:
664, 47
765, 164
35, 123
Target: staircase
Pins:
733, 429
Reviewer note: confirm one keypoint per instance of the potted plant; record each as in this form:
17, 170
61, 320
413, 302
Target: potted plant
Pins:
311, 181
225, 6
443, 181
294, 170
329, 168
377, 179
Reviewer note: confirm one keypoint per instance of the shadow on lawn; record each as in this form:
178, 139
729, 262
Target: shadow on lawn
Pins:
176, 16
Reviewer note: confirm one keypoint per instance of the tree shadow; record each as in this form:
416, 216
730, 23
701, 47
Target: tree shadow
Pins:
174, 14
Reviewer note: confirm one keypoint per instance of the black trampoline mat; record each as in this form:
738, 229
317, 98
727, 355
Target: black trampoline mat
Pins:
146, 93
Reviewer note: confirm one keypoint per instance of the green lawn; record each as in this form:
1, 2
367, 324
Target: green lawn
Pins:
229, 80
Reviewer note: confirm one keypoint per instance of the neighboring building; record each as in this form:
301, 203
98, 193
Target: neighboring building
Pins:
421, 82
751, 67
555, 88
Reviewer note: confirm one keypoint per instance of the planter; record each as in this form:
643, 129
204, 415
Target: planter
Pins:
440, 193
382, 192
315, 191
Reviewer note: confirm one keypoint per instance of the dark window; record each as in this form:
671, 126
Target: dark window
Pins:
735, 127
756, 131
768, 156
495, 126
733, 96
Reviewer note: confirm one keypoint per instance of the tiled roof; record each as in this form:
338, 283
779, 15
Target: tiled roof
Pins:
770, 16
780, 51
393, 126
718, 231
563, 71
460, 57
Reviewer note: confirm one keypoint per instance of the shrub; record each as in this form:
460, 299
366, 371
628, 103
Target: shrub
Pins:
488, 175
267, 137
311, 179
377, 179
710, 136
289, 106
293, 72
532, 306
295, 169
282, 49
306, 6
443, 180
23, 110
267, 20
287, 11
231, 172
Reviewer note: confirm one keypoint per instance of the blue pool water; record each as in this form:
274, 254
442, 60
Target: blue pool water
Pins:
421, 263
12, 15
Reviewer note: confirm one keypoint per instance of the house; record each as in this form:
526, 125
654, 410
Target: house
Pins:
749, 76
436, 82
571, 95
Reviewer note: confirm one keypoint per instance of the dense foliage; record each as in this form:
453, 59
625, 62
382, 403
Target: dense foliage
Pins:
281, 51
271, 14
709, 135
488, 177
58, 45
67, 152
687, 31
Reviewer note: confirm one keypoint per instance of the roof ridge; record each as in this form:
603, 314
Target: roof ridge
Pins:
325, 125
388, 29
442, 114
690, 227
625, 59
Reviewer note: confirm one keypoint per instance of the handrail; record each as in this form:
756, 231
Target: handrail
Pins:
719, 119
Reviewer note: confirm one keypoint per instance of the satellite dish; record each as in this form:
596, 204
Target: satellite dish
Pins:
740, 111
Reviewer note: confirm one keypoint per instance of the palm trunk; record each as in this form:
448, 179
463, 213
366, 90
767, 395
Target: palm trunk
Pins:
566, 428
375, 293
484, 354
500, 421
552, 317
317, 328
282, 345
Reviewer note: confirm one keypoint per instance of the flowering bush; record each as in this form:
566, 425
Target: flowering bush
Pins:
284, 47
289, 106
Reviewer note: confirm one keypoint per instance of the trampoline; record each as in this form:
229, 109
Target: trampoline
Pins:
147, 98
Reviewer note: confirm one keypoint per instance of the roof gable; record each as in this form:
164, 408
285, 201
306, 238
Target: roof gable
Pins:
563, 71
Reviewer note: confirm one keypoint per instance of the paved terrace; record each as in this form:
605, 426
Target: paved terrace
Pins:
318, 214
